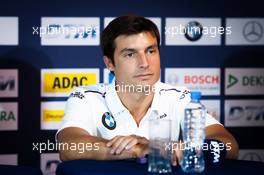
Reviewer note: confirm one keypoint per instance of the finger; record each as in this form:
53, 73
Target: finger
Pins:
124, 144
113, 140
174, 159
180, 152
131, 143
116, 144
143, 140
179, 156
176, 153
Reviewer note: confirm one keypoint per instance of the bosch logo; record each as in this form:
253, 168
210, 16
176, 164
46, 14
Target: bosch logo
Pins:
201, 79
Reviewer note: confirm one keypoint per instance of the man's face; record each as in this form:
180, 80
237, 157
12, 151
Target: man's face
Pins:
137, 59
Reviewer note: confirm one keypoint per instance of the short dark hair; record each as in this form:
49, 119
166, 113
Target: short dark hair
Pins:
125, 25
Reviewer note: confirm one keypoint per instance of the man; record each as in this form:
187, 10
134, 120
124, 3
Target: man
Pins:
113, 118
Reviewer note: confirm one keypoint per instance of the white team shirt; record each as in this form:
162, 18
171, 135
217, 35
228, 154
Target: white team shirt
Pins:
98, 110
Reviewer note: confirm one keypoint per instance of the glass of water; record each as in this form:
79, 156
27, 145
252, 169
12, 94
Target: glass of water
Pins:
159, 158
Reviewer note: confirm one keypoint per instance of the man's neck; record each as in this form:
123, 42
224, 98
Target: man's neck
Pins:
137, 103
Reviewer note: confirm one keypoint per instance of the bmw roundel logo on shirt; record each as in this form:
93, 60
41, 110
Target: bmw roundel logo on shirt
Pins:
108, 121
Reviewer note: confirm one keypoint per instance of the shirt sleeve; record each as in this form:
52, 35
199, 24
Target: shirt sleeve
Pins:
78, 112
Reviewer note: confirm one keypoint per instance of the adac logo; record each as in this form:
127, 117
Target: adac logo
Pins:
232, 80
55, 82
53, 115
7, 116
108, 121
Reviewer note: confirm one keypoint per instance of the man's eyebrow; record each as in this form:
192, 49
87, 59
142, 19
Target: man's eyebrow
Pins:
152, 46
134, 50
128, 50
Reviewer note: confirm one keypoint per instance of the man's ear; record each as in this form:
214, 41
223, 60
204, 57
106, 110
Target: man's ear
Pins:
109, 64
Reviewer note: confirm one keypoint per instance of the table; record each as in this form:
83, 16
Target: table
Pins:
19, 170
123, 167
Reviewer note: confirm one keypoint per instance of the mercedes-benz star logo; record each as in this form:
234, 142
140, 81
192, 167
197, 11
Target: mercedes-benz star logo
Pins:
253, 31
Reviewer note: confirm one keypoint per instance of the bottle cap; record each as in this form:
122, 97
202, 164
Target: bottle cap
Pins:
196, 95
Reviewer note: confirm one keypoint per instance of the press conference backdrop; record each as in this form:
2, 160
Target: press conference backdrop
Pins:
47, 48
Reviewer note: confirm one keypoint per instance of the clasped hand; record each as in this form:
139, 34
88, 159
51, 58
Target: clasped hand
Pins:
137, 145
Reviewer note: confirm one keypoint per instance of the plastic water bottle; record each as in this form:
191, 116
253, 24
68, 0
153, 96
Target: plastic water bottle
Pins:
193, 135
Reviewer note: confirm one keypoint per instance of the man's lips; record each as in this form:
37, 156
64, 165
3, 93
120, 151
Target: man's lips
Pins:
143, 75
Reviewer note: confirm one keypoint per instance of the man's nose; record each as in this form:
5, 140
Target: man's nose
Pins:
143, 61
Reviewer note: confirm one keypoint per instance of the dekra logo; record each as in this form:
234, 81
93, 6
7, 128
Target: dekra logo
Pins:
232, 80
246, 81
253, 80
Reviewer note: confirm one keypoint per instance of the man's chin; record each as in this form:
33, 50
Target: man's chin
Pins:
146, 83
